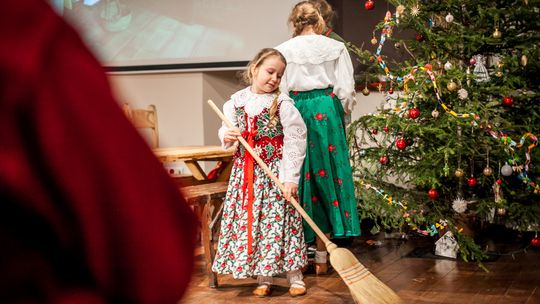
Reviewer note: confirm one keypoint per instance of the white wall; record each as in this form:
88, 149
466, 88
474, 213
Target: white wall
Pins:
184, 117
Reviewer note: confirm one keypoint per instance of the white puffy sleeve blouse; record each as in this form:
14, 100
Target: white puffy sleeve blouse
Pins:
318, 62
294, 128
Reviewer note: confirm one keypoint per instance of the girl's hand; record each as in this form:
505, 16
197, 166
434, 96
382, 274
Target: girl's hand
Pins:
231, 135
291, 190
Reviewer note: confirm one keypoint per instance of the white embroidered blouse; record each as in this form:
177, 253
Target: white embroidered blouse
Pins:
318, 62
294, 128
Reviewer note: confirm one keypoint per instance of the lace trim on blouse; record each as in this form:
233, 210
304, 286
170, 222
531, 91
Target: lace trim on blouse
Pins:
313, 49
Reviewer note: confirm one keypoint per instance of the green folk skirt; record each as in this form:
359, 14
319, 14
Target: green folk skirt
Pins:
326, 189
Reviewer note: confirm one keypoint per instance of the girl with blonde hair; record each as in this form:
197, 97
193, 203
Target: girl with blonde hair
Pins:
261, 234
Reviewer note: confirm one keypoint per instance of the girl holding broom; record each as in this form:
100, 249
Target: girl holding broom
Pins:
319, 78
261, 234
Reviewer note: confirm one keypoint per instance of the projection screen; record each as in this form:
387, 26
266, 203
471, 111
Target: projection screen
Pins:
131, 35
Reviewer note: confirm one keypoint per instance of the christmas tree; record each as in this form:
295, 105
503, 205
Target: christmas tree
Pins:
455, 142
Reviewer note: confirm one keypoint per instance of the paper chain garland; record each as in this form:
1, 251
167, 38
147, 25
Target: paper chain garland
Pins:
504, 138
430, 230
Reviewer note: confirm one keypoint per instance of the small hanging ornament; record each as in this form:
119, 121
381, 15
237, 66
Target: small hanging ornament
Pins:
401, 144
414, 113
459, 172
535, 242
397, 45
448, 66
501, 211
374, 131
497, 34
386, 129
480, 70
433, 193
508, 101
449, 18
365, 91
369, 5
462, 94
451, 86
506, 170
419, 37
472, 61
523, 60
487, 170
374, 39
399, 11
459, 205
435, 113
384, 160
415, 10
472, 181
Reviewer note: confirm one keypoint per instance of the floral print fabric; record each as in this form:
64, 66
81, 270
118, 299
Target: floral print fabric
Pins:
277, 233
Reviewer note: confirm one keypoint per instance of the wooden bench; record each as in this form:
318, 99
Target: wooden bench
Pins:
208, 198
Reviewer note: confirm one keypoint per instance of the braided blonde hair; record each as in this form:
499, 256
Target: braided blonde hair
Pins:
247, 77
306, 14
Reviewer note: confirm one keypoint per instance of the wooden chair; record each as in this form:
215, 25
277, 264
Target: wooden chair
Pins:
144, 119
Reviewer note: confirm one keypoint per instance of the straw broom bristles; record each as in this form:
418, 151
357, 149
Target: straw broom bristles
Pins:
363, 285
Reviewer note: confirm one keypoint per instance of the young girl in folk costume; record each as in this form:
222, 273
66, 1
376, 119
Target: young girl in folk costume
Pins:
319, 78
261, 233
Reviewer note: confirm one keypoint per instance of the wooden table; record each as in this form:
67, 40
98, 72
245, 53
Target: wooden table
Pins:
191, 155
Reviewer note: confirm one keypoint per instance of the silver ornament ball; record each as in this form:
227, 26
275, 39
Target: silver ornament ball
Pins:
506, 170
449, 18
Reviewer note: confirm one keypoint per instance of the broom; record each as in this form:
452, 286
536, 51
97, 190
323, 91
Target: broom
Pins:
363, 285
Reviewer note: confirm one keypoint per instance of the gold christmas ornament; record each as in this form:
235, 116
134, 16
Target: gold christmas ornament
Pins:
459, 172
499, 74
452, 86
400, 9
435, 113
497, 34
501, 211
365, 91
397, 45
524, 60
374, 41
488, 171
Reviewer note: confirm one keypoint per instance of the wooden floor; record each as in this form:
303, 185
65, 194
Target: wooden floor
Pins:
425, 279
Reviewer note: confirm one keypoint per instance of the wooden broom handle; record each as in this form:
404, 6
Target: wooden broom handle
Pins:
261, 163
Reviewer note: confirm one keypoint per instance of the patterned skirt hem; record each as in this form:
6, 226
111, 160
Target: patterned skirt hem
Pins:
257, 273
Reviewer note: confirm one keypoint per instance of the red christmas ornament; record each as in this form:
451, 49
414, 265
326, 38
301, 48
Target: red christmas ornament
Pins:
472, 181
401, 143
535, 241
433, 193
420, 37
374, 131
384, 160
390, 91
472, 61
386, 129
508, 101
369, 5
414, 113
499, 182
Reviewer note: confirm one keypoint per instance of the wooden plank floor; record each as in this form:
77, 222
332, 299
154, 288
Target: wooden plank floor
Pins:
511, 279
